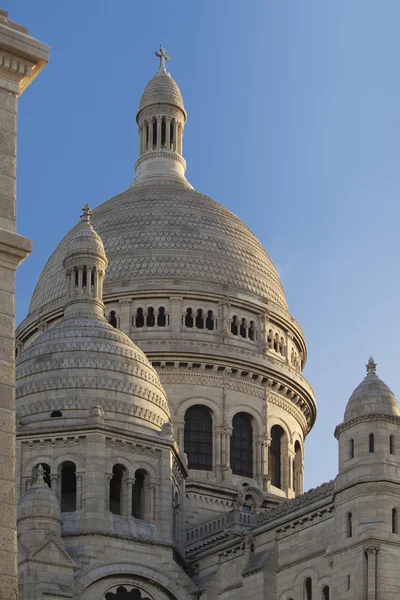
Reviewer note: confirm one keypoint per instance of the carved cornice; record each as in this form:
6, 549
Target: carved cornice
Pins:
367, 489
365, 419
160, 154
300, 561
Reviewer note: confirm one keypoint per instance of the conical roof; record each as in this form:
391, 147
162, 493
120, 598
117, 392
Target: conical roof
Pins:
372, 396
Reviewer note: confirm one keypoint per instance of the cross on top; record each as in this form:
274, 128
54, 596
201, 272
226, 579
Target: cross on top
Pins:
86, 214
162, 55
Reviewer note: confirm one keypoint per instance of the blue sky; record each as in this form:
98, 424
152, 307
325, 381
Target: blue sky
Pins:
293, 124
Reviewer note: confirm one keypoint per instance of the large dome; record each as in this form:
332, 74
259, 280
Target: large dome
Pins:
162, 232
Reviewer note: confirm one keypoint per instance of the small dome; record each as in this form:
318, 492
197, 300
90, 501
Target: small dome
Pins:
161, 89
372, 396
84, 238
39, 502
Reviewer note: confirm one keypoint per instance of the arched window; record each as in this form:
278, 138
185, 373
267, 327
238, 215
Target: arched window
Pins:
155, 144
198, 437
139, 318
248, 505
394, 520
138, 494
351, 448
270, 339
199, 319
161, 319
252, 331
234, 326
210, 320
243, 328
308, 589
163, 133
391, 444
325, 592
189, 318
274, 458
242, 445
349, 525
276, 343
151, 320
371, 443
112, 319
122, 594
297, 469
46, 473
68, 487
116, 489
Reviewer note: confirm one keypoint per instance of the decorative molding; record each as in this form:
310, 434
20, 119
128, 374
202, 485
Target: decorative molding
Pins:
303, 559
366, 419
367, 489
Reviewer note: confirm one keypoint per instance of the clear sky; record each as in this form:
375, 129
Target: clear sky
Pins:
293, 123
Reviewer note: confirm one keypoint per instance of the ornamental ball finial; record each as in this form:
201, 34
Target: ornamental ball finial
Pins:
86, 214
371, 366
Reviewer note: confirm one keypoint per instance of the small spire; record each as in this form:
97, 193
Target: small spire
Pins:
40, 474
162, 55
371, 367
86, 214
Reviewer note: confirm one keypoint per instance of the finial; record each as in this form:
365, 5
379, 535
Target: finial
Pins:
162, 55
86, 214
371, 367
40, 474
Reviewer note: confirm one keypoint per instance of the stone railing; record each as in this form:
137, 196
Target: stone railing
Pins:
235, 519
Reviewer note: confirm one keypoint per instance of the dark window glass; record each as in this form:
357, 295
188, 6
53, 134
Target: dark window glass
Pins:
210, 321
349, 525
242, 445
394, 520
163, 133
243, 328
138, 494
325, 593
56, 413
391, 444
68, 487
151, 320
116, 489
274, 457
351, 448
139, 317
371, 443
198, 437
154, 134
112, 319
161, 319
308, 588
189, 318
199, 319
123, 594
251, 331
234, 326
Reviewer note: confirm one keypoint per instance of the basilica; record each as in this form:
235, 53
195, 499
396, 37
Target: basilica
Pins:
162, 412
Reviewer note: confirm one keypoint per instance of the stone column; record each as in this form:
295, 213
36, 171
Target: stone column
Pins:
151, 141
125, 316
372, 555
129, 493
167, 133
21, 59
176, 316
79, 480
159, 121
175, 133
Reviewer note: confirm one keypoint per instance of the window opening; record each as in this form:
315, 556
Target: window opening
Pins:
138, 494
210, 320
163, 133
68, 487
297, 468
352, 448
199, 319
161, 319
189, 318
171, 136
234, 326
274, 456
116, 489
394, 520
242, 445
123, 594
371, 443
325, 593
112, 319
391, 444
151, 320
243, 328
252, 331
308, 588
198, 437
349, 525
155, 141
56, 413
139, 317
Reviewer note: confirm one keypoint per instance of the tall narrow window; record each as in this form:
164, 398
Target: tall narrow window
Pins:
68, 487
189, 318
391, 444
198, 437
252, 331
139, 318
113, 319
163, 133
138, 494
243, 328
210, 320
171, 136
394, 520
234, 326
199, 319
349, 525
371, 443
147, 136
297, 469
242, 445
116, 489
151, 320
351, 448
161, 319
155, 140
274, 458
308, 588
325, 593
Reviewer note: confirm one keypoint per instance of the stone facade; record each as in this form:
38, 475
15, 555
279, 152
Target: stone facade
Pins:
21, 59
162, 417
